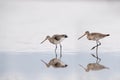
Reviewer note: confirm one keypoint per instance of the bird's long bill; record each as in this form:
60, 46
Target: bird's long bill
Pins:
82, 67
81, 36
45, 63
44, 40
107, 68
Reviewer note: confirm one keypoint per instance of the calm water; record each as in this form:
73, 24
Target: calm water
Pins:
27, 66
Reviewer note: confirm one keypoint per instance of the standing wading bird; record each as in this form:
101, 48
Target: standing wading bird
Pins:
56, 39
95, 37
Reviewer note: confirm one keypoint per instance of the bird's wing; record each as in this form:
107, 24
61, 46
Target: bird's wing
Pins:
95, 33
56, 37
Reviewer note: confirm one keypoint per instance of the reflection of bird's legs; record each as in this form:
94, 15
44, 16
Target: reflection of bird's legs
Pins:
83, 67
98, 44
48, 65
60, 51
55, 50
97, 51
98, 59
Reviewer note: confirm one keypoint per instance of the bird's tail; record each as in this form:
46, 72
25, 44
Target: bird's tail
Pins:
107, 34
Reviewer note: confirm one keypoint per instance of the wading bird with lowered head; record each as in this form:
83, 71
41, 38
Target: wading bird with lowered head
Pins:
56, 39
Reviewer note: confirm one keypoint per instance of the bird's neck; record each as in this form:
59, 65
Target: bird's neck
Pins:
87, 34
48, 37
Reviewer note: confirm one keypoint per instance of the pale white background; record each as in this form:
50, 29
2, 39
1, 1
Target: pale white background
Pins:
24, 24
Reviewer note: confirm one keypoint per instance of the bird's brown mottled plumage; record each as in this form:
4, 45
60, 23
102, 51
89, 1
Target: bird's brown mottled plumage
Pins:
56, 63
95, 37
56, 39
94, 67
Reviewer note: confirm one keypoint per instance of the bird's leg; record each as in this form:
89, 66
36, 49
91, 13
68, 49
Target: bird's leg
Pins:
56, 51
98, 44
60, 51
93, 47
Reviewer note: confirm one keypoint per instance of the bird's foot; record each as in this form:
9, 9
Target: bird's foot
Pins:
93, 55
92, 48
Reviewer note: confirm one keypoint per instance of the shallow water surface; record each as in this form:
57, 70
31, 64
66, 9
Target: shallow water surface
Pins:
27, 66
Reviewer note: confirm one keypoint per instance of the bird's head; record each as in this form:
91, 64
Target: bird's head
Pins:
65, 36
86, 32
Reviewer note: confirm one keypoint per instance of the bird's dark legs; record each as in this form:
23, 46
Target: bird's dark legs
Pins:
60, 51
56, 51
98, 44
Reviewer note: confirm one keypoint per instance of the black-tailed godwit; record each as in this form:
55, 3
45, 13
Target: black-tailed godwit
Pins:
56, 39
95, 37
